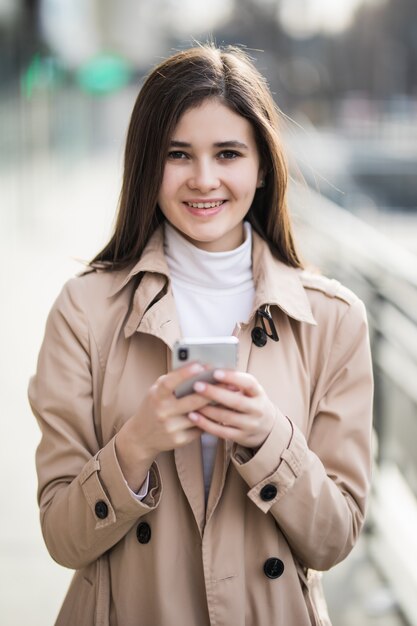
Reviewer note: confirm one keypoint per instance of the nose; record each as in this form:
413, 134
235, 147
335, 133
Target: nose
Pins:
204, 177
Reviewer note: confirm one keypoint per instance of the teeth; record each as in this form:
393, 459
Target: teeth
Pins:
204, 205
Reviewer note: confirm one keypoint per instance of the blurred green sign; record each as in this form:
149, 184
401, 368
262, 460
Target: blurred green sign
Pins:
42, 74
104, 74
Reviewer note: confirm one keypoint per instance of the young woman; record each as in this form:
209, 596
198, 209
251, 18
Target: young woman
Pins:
219, 507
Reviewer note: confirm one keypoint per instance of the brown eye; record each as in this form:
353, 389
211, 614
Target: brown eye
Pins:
177, 154
228, 154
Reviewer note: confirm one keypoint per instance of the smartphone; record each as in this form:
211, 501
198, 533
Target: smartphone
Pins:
212, 352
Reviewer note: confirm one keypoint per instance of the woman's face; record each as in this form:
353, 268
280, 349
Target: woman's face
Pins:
211, 174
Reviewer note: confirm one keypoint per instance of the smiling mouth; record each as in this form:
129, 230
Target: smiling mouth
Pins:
205, 205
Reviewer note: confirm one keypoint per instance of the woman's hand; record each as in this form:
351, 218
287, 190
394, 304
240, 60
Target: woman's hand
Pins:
160, 424
243, 412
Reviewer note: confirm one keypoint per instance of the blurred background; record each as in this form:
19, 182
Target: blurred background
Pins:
345, 76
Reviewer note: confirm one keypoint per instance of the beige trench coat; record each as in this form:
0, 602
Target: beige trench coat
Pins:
251, 556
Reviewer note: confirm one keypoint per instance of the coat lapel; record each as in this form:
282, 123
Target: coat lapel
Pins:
224, 448
161, 321
188, 461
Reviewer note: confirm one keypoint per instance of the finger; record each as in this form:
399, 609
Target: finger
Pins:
177, 424
186, 436
230, 387
167, 383
190, 435
220, 395
225, 417
193, 402
213, 428
240, 380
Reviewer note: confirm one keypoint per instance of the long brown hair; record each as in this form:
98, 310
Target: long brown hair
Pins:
177, 84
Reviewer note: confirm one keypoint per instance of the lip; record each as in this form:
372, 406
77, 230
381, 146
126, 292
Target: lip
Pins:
204, 212
203, 200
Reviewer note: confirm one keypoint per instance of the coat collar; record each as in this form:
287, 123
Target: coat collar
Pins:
275, 283
278, 284
152, 260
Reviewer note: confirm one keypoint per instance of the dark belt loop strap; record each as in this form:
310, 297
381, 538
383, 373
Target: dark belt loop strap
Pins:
268, 323
260, 335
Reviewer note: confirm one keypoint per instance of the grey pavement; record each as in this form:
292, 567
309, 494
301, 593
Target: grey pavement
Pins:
53, 212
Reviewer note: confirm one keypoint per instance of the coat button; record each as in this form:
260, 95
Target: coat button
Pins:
268, 492
143, 532
101, 509
259, 337
273, 567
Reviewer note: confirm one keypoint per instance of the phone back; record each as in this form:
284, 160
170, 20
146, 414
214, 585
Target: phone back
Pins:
212, 352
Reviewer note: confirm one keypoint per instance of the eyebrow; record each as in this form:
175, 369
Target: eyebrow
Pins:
232, 143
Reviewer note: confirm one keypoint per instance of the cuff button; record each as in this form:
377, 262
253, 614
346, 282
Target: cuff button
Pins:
101, 509
273, 567
268, 492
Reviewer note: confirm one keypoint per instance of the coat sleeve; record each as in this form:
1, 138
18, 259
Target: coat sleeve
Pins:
86, 506
322, 484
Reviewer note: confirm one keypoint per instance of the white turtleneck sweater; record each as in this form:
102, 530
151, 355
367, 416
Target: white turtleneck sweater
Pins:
212, 291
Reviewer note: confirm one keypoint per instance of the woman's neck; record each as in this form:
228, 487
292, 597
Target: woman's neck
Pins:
211, 270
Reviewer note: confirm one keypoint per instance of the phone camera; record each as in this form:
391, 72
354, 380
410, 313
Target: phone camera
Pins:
183, 354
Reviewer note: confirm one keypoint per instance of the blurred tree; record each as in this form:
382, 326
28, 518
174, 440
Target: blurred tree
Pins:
400, 21
19, 38
255, 25
378, 53
29, 38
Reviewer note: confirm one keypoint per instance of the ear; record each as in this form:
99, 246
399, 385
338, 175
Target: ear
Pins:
260, 183
261, 179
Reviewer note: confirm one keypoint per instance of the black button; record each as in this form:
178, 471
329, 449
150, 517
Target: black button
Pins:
259, 337
101, 509
273, 567
143, 532
268, 492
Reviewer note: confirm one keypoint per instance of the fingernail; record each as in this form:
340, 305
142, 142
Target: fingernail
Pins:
219, 374
196, 368
199, 386
193, 416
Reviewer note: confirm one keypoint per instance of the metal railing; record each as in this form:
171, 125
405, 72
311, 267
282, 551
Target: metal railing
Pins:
384, 275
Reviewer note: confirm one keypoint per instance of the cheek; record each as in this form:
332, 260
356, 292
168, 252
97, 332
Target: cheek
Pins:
165, 191
171, 182
244, 183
